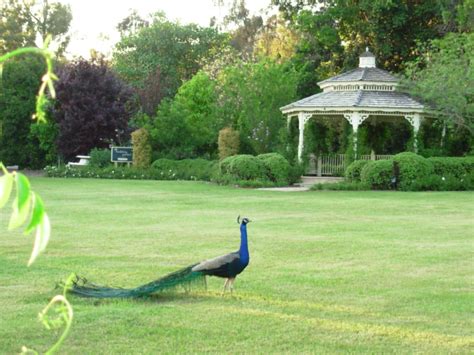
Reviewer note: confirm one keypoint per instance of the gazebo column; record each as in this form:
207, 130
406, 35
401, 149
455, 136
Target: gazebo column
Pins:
355, 119
415, 121
302, 119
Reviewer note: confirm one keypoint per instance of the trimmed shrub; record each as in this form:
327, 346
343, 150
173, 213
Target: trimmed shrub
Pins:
228, 142
141, 148
100, 158
411, 167
243, 167
353, 171
377, 174
277, 168
268, 170
254, 183
224, 165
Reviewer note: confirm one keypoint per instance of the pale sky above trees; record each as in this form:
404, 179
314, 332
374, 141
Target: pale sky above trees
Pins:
94, 21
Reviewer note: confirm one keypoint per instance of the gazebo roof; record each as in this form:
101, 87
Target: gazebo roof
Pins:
361, 75
354, 99
364, 88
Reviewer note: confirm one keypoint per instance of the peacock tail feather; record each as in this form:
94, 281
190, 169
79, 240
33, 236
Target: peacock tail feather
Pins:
184, 277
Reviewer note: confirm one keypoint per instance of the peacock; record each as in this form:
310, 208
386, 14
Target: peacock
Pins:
226, 266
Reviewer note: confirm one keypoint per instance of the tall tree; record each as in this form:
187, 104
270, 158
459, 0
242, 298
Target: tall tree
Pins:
244, 36
16, 26
250, 97
131, 24
188, 125
443, 77
277, 40
175, 50
91, 107
20, 80
22, 23
390, 28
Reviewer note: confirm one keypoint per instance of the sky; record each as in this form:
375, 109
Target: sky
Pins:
94, 21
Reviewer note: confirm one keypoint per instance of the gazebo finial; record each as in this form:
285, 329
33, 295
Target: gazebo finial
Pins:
367, 59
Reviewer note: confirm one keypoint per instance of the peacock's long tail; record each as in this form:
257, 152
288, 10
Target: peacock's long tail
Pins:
184, 277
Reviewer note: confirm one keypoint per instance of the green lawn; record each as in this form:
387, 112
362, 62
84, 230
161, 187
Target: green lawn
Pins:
378, 272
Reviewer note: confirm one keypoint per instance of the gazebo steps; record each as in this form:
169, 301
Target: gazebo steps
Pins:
308, 181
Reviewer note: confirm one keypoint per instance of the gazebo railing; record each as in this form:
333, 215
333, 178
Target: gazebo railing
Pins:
327, 165
335, 164
376, 157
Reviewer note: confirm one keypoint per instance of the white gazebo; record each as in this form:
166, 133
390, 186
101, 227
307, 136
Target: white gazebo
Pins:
356, 95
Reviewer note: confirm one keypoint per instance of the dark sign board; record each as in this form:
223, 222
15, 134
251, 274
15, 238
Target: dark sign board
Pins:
121, 154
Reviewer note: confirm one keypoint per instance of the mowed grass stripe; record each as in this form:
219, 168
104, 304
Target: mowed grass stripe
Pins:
447, 342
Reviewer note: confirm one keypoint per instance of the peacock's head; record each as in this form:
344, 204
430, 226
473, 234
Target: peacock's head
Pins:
244, 221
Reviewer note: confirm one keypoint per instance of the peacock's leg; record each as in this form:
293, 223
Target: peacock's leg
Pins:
231, 284
205, 282
225, 286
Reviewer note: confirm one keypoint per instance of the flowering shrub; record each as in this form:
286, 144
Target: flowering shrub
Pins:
162, 169
186, 169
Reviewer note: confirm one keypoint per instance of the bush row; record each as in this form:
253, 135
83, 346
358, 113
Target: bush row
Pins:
266, 170
109, 172
162, 169
411, 172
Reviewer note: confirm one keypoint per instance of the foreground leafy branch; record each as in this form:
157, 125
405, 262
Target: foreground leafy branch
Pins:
47, 80
26, 203
29, 204
63, 315
26, 200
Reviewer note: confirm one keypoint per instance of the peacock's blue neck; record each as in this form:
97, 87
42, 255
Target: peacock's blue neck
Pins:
244, 248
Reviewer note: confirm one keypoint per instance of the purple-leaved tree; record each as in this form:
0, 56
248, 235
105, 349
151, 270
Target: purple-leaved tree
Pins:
92, 107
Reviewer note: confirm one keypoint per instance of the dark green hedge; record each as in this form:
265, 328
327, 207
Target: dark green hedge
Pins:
409, 167
277, 168
243, 167
453, 166
411, 172
377, 174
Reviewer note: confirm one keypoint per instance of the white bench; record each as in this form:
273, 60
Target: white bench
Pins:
83, 161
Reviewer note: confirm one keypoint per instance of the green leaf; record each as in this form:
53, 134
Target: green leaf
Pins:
19, 216
22, 190
6, 184
37, 214
43, 232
